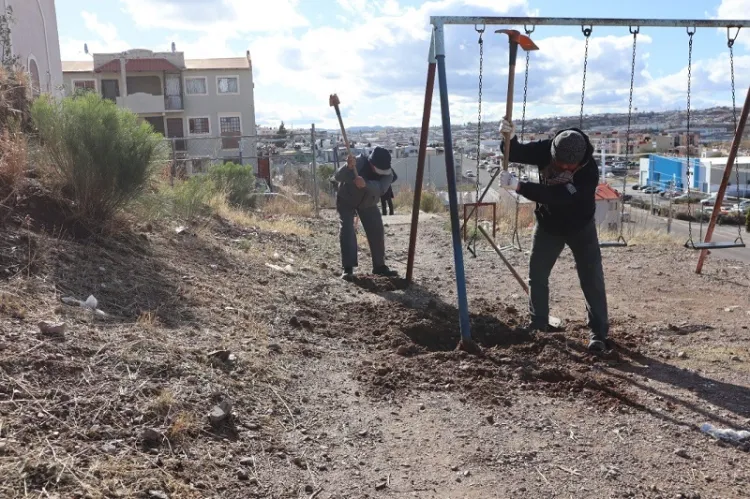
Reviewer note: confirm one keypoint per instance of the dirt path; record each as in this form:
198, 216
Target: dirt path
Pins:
352, 390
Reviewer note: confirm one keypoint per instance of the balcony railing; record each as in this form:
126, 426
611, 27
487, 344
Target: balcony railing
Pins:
173, 103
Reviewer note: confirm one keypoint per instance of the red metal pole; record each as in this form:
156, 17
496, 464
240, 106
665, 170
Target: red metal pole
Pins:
725, 179
423, 139
494, 220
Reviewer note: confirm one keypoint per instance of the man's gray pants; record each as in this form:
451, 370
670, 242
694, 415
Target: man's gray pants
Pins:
584, 244
372, 222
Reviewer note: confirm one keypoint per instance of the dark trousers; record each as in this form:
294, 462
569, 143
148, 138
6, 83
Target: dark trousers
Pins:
546, 249
373, 225
387, 202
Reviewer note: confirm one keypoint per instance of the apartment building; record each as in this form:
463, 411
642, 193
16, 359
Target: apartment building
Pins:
34, 41
205, 106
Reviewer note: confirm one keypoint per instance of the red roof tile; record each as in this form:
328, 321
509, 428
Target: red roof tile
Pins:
137, 65
605, 192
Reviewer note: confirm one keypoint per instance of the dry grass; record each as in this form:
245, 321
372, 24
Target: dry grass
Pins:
281, 205
429, 202
13, 158
640, 236
282, 223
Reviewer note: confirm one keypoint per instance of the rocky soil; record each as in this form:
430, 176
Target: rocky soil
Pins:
231, 362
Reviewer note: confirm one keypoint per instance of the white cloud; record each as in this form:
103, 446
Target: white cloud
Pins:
735, 9
215, 16
106, 39
379, 73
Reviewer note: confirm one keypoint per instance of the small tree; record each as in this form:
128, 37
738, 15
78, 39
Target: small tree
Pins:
102, 154
281, 135
7, 59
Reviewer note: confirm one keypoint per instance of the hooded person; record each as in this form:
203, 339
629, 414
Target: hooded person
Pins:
362, 181
565, 206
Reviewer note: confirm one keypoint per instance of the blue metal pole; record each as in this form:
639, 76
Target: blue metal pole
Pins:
463, 304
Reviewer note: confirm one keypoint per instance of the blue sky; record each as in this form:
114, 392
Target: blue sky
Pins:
373, 53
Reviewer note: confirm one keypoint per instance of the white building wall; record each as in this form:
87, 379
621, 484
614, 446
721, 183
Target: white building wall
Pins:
35, 40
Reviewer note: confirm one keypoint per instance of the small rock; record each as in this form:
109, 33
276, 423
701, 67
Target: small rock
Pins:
454, 468
109, 449
246, 461
403, 350
682, 453
221, 356
308, 489
362, 433
243, 475
151, 436
157, 494
421, 407
682, 355
52, 328
299, 462
467, 473
491, 419
381, 486
735, 358
220, 412
273, 347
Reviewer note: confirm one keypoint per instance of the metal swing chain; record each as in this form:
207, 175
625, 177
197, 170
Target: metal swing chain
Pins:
516, 237
634, 32
479, 138
587, 34
730, 44
687, 149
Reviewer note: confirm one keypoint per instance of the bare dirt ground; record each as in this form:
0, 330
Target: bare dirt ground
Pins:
353, 390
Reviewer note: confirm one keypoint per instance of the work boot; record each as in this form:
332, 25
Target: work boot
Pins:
598, 344
385, 271
348, 274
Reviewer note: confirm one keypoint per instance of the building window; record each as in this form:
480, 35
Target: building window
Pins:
199, 126
196, 86
231, 130
36, 83
228, 85
81, 86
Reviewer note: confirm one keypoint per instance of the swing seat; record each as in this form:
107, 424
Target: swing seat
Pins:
715, 245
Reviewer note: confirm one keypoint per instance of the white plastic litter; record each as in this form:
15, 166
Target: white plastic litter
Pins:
726, 434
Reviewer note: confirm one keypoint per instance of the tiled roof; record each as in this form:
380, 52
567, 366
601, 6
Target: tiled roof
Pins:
221, 63
138, 65
77, 66
190, 64
604, 192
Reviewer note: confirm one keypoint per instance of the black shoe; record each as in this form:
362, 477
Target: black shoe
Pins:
597, 344
348, 274
385, 271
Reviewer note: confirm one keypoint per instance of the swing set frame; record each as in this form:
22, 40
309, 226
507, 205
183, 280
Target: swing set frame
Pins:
436, 64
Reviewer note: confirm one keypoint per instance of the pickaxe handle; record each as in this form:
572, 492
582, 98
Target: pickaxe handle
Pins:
512, 55
333, 100
515, 38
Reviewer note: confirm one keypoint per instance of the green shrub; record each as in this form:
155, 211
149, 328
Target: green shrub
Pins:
747, 221
430, 202
102, 154
236, 181
191, 197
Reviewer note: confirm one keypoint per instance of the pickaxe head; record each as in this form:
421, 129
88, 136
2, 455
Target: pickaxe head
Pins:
333, 100
515, 36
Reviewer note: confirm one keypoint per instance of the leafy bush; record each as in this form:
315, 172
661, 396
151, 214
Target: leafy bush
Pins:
747, 221
102, 154
191, 198
236, 181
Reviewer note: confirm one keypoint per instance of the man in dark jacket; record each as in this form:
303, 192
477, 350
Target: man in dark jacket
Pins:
361, 184
386, 201
565, 205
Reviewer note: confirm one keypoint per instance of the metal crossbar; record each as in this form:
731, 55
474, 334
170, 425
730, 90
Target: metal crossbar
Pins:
602, 21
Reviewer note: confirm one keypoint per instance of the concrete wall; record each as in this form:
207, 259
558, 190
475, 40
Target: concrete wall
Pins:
34, 38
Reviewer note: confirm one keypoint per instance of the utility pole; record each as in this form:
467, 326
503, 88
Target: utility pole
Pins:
314, 171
